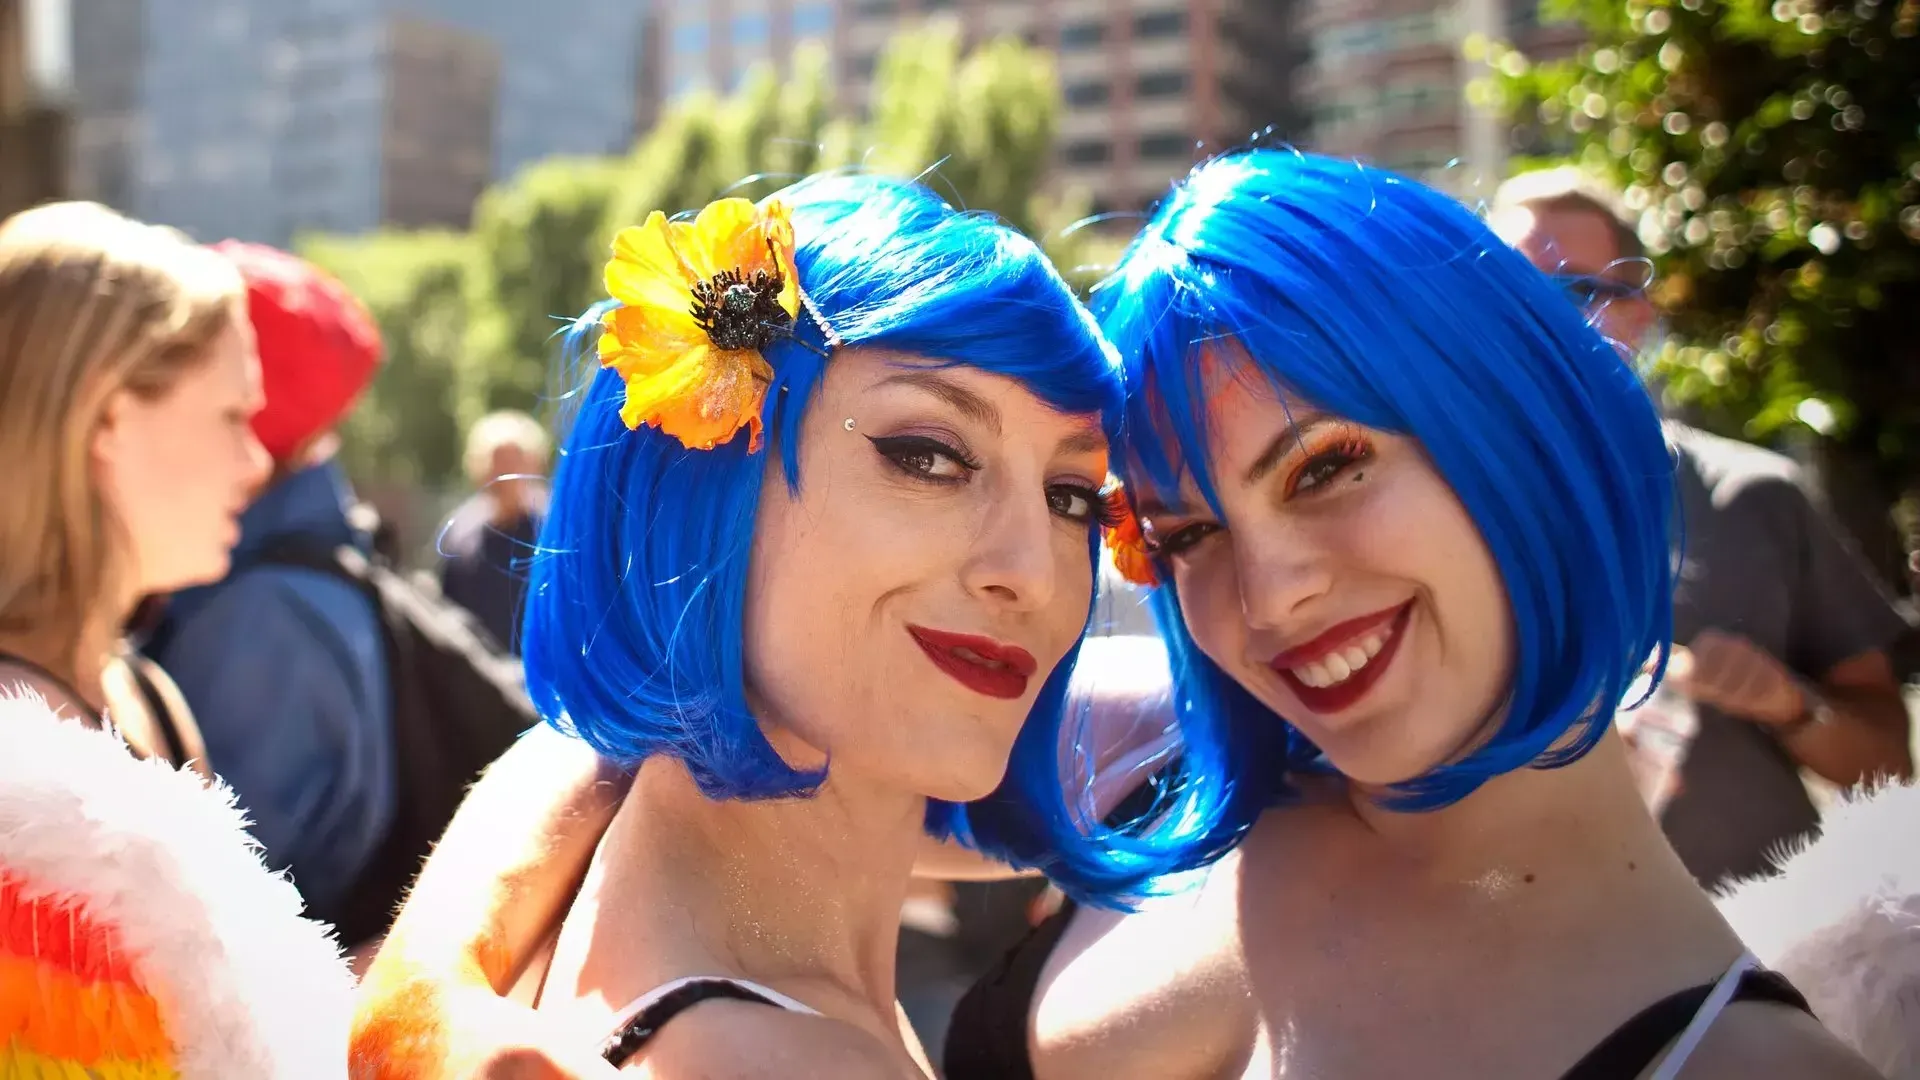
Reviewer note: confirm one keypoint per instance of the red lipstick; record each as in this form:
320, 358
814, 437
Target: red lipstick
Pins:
1327, 700
980, 664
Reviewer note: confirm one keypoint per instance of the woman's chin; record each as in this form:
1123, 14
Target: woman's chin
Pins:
957, 785
1369, 768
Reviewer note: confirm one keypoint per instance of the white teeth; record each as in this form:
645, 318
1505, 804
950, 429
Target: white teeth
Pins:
1338, 667
1337, 664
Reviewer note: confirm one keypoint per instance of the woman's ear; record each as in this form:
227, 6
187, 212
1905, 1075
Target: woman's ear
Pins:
106, 444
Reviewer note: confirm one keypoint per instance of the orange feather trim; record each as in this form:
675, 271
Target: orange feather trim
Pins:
19, 1063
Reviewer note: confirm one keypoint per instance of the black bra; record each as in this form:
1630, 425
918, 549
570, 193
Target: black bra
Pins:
987, 1037
652, 1011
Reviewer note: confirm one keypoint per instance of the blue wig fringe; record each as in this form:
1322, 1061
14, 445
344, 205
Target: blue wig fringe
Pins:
632, 631
1391, 304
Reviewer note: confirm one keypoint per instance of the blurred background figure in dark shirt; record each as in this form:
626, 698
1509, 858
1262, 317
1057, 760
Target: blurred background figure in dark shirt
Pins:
488, 541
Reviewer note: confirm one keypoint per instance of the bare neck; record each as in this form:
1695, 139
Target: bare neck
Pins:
79, 667
1586, 816
802, 894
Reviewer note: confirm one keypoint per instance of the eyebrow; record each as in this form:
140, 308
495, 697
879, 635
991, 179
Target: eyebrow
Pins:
1276, 450
1087, 440
966, 402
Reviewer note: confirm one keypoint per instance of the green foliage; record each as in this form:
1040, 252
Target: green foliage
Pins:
1773, 150
530, 241
407, 428
470, 319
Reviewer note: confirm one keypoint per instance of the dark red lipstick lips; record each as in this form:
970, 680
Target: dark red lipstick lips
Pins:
1327, 700
980, 664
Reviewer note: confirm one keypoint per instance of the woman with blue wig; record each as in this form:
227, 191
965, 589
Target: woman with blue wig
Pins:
819, 557
1407, 524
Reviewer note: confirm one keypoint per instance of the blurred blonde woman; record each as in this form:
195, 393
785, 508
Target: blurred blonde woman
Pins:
127, 379
140, 935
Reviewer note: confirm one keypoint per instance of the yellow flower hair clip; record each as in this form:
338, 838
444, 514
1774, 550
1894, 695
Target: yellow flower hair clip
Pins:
1126, 542
700, 303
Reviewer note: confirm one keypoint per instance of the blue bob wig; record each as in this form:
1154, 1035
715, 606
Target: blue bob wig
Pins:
1389, 303
632, 634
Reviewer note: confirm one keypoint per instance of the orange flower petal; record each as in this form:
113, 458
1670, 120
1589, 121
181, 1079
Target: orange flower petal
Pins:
1127, 544
720, 237
635, 341
778, 228
703, 398
647, 273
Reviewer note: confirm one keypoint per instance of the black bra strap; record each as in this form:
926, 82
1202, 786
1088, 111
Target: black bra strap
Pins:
623, 1044
73, 696
1635, 1044
161, 712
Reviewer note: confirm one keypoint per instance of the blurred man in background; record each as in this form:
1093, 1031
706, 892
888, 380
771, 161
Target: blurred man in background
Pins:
486, 546
1781, 631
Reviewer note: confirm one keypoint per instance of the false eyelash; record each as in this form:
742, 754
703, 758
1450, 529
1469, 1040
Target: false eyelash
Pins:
1110, 507
1341, 451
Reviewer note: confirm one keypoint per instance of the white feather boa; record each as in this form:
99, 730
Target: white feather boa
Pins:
247, 987
1842, 920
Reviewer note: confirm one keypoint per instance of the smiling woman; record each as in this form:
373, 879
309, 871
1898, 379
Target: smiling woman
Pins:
819, 642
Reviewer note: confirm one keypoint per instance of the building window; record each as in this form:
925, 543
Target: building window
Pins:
861, 67
1085, 94
1160, 24
1340, 43
876, 7
1089, 152
811, 19
1162, 84
1166, 146
690, 37
1081, 35
1414, 98
750, 31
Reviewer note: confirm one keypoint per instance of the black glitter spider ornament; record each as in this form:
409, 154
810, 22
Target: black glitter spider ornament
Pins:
741, 312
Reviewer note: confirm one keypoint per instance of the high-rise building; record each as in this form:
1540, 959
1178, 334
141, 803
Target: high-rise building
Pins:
1148, 83
34, 96
259, 119
109, 44
1386, 81
436, 138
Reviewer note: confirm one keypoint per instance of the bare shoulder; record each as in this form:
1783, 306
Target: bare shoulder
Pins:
1758, 1039
1160, 992
736, 1040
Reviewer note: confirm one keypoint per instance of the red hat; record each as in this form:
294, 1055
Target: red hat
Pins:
318, 347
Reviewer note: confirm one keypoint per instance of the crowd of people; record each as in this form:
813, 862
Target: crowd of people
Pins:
783, 631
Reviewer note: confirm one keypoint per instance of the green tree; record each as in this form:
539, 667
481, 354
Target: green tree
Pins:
1773, 147
980, 127
532, 243
407, 429
471, 320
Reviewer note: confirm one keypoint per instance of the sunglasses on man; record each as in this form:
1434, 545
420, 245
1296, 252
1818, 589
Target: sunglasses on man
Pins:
1591, 291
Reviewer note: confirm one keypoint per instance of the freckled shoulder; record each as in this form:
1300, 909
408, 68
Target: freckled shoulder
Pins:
1755, 1039
738, 1040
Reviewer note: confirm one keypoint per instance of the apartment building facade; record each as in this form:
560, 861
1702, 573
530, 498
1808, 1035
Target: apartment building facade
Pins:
1149, 84
260, 119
